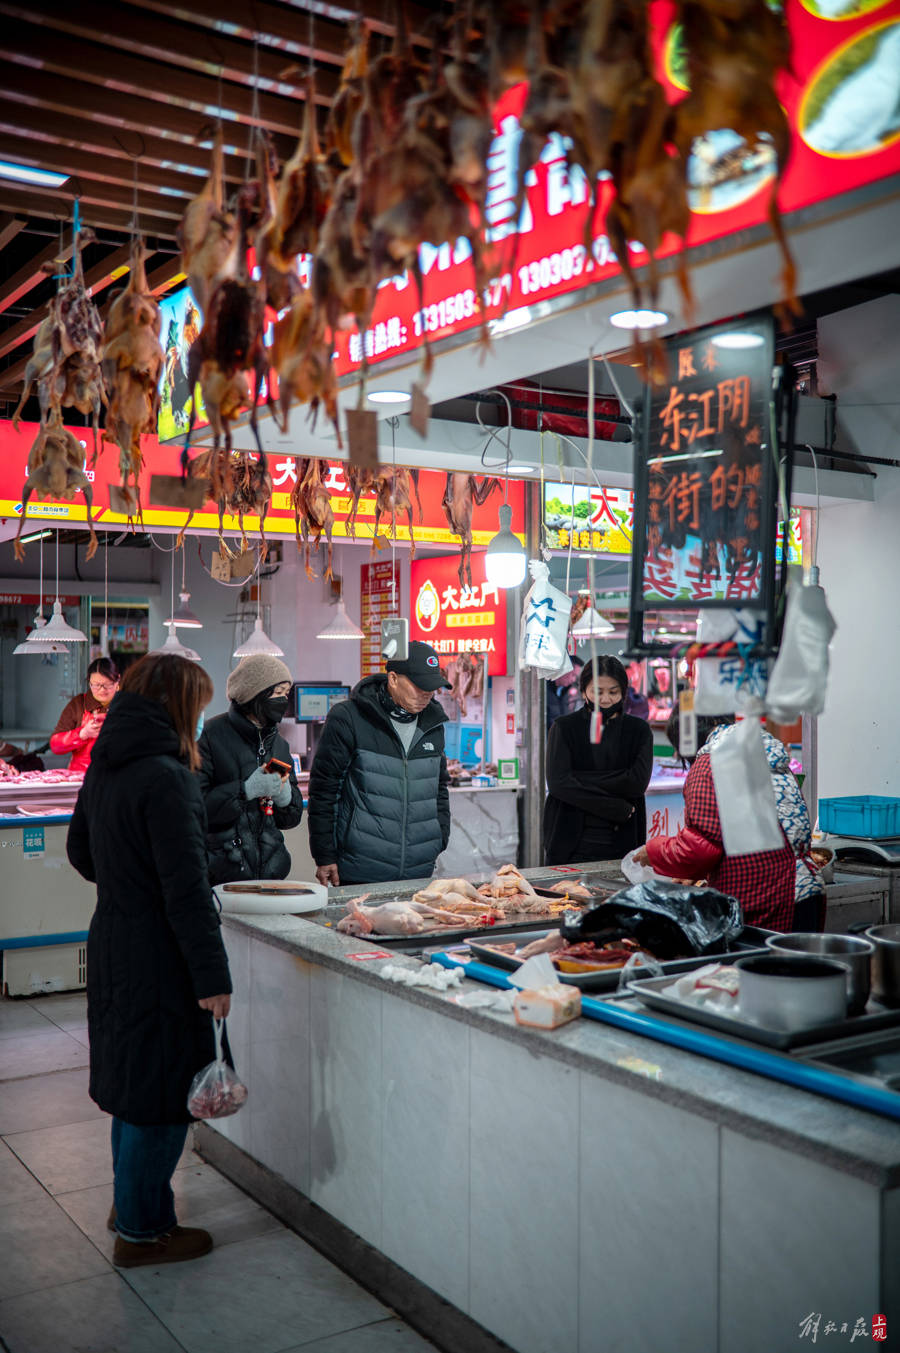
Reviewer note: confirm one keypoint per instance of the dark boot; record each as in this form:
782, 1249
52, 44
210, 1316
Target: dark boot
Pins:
176, 1247
111, 1219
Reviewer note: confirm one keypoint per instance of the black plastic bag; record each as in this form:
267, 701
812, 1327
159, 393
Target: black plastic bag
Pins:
672, 920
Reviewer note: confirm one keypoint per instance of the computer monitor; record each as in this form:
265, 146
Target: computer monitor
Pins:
313, 700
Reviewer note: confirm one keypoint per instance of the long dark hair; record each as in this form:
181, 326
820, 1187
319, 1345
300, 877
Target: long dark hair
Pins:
182, 687
604, 666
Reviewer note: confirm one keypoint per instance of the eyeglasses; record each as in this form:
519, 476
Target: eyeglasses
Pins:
104, 686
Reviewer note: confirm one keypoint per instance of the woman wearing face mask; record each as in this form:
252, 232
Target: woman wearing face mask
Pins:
81, 720
595, 803
249, 807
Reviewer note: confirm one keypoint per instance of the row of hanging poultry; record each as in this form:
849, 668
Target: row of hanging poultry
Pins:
402, 161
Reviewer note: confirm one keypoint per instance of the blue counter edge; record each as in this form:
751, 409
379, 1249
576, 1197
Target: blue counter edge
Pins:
43, 941
755, 1059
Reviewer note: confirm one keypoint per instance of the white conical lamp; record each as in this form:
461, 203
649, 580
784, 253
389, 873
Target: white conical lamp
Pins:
57, 629
505, 559
175, 647
341, 627
259, 642
183, 617
592, 625
36, 641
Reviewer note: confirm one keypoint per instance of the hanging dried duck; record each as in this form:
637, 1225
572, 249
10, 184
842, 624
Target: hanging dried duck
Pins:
393, 495
734, 53
303, 359
313, 513
132, 361
65, 362
349, 99
207, 233
462, 494
55, 470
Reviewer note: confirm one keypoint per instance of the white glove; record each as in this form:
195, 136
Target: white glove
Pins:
262, 784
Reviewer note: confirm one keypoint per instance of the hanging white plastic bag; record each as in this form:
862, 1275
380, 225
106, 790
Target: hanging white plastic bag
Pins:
720, 679
216, 1091
745, 795
545, 624
800, 676
637, 873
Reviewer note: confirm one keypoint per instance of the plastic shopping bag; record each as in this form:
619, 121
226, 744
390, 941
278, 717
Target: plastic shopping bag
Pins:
216, 1091
637, 873
745, 795
724, 683
800, 675
545, 625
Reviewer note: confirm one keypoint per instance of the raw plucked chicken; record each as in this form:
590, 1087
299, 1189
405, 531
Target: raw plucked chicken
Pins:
395, 918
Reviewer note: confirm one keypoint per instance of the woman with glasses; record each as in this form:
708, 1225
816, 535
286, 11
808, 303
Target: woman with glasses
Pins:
81, 720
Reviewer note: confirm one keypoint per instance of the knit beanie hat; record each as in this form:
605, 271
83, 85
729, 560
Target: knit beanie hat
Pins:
253, 674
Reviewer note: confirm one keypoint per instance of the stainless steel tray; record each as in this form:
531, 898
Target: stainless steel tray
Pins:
652, 991
751, 940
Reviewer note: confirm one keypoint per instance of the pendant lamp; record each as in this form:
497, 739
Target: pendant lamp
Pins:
35, 642
505, 559
174, 646
592, 625
183, 617
341, 627
56, 628
258, 642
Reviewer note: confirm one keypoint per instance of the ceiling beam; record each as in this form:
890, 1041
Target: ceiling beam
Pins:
56, 127
31, 273
159, 84
89, 165
276, 26
98, 196
20, 198
9, 228
166, 275
96, 279
178, 41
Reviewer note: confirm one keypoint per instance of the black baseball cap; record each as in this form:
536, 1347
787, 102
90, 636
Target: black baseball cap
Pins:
423, 667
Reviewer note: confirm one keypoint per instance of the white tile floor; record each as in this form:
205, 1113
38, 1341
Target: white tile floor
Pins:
262, 1287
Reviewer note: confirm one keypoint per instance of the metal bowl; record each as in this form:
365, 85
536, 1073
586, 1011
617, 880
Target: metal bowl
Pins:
851, 950
885, 963
789, 992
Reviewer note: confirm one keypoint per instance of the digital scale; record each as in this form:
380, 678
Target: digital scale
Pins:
881, 850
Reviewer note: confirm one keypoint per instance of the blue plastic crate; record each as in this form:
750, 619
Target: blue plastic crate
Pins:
870, 815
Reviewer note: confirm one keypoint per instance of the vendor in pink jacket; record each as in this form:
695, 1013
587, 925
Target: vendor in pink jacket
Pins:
81, 720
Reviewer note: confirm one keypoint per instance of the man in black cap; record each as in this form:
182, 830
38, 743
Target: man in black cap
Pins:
378, 802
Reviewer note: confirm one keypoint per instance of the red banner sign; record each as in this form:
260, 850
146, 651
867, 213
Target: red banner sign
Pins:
163, 459
380, 599
457, 619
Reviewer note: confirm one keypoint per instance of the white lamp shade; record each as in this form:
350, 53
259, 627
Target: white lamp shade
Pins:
36, 643
259, 642
341, 627
56, 630
592, 625
183, 617
505, 560
175, 647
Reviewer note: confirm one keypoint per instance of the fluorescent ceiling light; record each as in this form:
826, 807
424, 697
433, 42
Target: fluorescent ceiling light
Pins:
639, 319
26, 173
691, 455
737, 339
389, 397
38, 535
521, 469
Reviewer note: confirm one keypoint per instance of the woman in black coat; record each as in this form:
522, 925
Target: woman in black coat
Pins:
157, 972
595, 806
247, 807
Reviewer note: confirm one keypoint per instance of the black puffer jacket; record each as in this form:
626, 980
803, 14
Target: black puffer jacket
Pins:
243, 842
375, 811
154, 946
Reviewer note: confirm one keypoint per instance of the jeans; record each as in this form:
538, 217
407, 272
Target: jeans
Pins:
144, 1160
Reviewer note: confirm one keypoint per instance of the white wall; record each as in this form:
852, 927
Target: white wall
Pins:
859, 557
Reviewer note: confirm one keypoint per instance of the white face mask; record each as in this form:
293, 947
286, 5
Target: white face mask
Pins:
199, 726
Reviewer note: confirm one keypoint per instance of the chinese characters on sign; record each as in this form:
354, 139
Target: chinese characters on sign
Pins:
812, 1325
456, 619
704, 530
593, 518
378, 584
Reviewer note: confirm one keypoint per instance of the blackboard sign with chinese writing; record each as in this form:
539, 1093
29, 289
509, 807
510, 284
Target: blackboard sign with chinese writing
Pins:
705, 478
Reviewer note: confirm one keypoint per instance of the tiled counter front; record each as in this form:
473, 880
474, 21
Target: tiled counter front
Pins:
582, 1190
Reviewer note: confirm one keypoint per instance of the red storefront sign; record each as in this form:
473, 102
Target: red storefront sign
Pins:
833, 63
380, 599
31, 599
164, 459
455, 619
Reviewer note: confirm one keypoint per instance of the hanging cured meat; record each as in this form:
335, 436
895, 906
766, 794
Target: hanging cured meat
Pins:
313, 514
462, 493
56, 470
207, 234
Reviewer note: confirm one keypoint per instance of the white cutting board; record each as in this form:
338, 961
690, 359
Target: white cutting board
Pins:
291, 897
